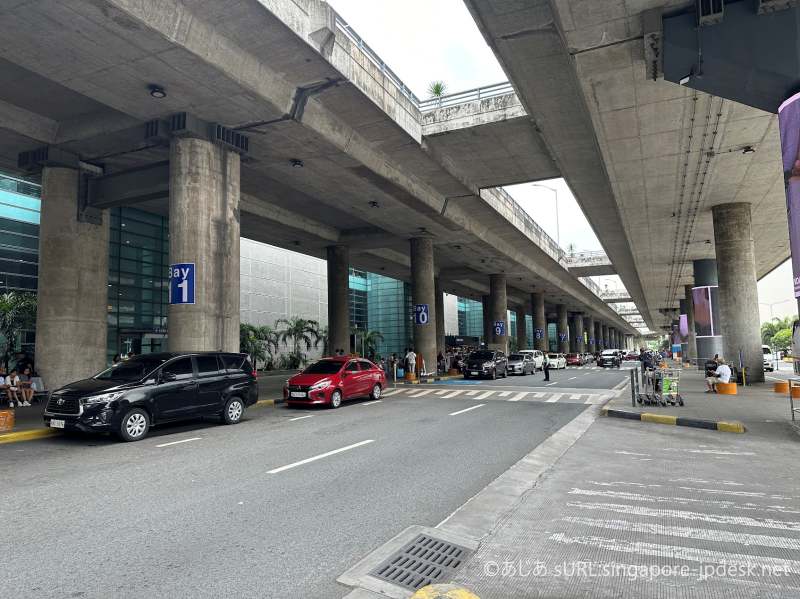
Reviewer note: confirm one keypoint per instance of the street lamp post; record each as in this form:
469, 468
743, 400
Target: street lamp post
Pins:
555, 191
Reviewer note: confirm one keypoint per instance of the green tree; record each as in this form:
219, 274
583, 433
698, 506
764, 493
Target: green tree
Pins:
771, 327
250, 344
17, 313
782, 340
370, 341
298, 333
325, 339
269, 338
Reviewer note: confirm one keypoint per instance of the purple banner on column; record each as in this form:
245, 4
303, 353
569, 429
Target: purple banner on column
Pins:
789, 122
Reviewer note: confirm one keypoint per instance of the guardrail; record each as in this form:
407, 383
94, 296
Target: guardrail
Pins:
470, 95
20, 186
588, 258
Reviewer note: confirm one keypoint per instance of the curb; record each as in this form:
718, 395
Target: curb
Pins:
29, 435
269, 402
722, 426
423, 381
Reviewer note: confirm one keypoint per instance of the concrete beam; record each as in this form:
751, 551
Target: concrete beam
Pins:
131, 187
27, 123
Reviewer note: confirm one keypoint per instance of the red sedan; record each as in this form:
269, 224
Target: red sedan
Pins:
574, 360
331, 381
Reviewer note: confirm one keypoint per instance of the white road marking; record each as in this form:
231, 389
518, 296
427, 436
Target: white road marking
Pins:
181, 441
519, 396
575, 396
391, 392
484, 395
480, 405
632, 453
663, 514
539, 395
320, 456
710, 451
549, 384
686, 532
572, 377
452, 394
471, 393
421, 393
554, 398
676, 552
301, 417
441, 392
369, 403
504, 393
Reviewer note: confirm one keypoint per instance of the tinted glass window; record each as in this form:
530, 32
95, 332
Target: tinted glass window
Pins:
236, 362
207, 365
324, 367
482, 355
133, 369
766, 350
181, 368
516, 357
352, 367
365, 365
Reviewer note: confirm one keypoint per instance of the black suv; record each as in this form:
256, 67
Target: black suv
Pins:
152, 389
486, 362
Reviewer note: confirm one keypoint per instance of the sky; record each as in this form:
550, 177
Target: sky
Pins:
424, 41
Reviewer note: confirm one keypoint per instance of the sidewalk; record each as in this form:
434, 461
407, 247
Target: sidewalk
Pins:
755, 406
647, 511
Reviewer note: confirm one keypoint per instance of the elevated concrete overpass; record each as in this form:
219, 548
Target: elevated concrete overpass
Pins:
268, 119
666, 174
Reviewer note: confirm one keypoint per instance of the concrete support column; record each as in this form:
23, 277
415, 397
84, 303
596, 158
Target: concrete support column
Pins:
487, 320
440, 342
522, 330
338, 298
498, 311
423, 291
588, 324
691, 340
604, 336
577, 334
562, 328
738, 293
72, 307
598, 336
539, 322
204, 229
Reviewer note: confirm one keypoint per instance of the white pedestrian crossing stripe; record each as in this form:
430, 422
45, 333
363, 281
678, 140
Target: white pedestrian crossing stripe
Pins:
586, 398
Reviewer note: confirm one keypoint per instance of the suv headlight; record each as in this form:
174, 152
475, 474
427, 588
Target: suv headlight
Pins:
102, 398
488, 364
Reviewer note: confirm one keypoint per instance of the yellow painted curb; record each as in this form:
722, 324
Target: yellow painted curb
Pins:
443, 591
660, 418
37, 433
730, 427
265, 402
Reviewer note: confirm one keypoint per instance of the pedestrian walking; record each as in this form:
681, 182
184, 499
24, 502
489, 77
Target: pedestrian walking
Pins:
546, 367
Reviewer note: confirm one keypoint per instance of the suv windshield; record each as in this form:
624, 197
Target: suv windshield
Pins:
609, 352
324, 367
481, 355
516, 357
133, 369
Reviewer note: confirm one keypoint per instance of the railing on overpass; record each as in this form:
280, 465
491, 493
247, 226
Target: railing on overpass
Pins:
621, 295
470, 95
587, 258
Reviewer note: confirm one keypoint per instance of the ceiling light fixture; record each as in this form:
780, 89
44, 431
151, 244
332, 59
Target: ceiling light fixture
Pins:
157, 91
296, 163
374, 204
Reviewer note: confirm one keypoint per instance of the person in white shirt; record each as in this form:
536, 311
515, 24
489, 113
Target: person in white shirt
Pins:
721, 375
12, 382
411, 361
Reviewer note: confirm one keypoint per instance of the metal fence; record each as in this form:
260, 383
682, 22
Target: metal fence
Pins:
587, 258
470, 95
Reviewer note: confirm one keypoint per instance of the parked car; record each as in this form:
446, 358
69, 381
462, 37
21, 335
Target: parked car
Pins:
521, 363
151, 389
536, 355
632, 355
486, 362
769, 358
610, 357
574, 360
331, 381
588, 358
557, 361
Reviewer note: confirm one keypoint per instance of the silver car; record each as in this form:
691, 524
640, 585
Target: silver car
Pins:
521, 364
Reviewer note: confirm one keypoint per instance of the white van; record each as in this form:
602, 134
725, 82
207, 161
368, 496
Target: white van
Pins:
536, 355
769, 358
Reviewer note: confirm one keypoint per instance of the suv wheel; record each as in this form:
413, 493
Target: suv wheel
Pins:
376, 392
336, 399
233, 412
134, 425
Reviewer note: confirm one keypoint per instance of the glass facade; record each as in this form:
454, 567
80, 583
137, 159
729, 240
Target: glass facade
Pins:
389, 312
138, 263
359, 287
470, 317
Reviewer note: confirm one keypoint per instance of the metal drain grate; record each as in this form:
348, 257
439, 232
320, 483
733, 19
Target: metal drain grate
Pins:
424, 561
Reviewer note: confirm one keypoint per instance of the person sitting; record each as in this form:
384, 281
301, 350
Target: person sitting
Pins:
721, 375
26, 385
13, 389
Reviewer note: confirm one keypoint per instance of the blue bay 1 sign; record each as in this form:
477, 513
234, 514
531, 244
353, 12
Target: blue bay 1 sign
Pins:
181, 283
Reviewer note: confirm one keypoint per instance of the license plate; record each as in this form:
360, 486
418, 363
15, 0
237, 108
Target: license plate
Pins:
474, 373
56, 424
297, 394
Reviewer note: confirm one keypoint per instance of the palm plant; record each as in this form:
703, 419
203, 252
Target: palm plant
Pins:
325, 339
298, 332
269, 339
250, 344
17, 312
370, 341
437, 90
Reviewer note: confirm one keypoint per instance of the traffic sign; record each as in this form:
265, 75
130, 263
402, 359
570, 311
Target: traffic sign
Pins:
181, 283
500, 328
538, 333
422, 314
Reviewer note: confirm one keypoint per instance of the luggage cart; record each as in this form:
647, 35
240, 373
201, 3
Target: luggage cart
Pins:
666, 386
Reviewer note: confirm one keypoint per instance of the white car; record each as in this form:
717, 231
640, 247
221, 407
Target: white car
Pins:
537, 356
769, 358
557, 361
